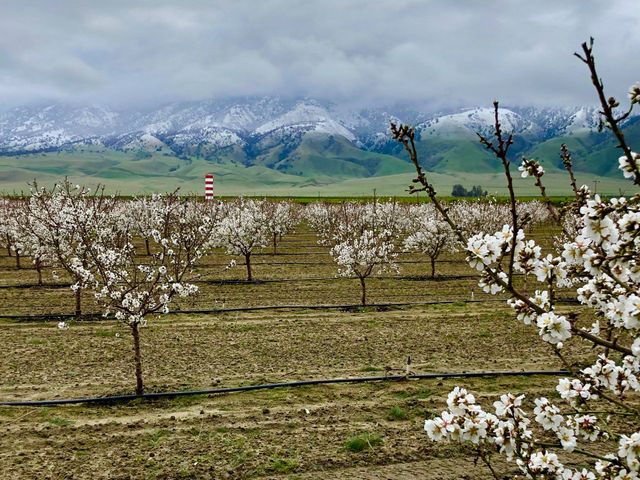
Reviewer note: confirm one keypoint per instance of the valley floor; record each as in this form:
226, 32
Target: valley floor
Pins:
121, 174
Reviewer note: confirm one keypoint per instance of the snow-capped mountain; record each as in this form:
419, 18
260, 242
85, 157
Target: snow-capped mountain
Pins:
218, 124
54, 126
480, 120
259, 124
559, 121
310, 117
531, 122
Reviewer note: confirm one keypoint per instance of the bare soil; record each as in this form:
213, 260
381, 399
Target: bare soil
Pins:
371, 430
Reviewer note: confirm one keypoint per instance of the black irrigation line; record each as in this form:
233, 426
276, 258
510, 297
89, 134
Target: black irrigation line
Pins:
380, 294
269, 386
347, 307
228, 297
44, 286
437, 278
405, 299
323, 250
237, 281
225, 264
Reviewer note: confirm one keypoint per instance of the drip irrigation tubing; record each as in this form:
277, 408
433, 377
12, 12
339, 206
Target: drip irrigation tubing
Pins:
64, 305
349, 306
206, 307
420, 278
269, 386
99, 316
44, 286
223, 265
237, 281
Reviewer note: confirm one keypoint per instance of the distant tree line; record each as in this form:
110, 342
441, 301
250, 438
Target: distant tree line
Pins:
460, 191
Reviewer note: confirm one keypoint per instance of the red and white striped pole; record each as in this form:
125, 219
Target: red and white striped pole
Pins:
208, 186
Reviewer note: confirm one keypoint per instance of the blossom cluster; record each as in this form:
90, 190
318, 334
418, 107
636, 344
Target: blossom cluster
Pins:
509, 431
530, 167
629, 166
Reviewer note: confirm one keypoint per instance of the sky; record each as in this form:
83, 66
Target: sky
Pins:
362, 52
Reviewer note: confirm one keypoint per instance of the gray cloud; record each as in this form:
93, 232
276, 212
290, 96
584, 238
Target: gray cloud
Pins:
363, 52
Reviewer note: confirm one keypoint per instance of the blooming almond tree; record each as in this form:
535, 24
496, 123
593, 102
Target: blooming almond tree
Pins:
363, 240
483, 215
142, 217
429, 234
281, 219
32, 243
600, 259
6, 211
321, 219
12, 232
243, 228
55, 219
135, 287
489, 215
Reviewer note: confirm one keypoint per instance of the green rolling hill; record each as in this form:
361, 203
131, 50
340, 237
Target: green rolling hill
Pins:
126, 174
323, 164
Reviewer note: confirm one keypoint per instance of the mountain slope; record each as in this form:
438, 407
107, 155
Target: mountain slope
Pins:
309, 140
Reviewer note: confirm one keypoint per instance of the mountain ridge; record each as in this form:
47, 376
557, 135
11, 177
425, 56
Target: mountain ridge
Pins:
304, 137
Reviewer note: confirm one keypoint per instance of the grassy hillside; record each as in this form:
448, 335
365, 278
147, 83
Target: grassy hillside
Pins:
455, 155
592, 152
127, 173
323, 165
326, 158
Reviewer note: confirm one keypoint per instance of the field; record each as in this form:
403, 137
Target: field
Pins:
364, 430
123, 173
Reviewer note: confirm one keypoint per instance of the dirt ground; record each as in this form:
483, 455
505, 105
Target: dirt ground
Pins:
367, 430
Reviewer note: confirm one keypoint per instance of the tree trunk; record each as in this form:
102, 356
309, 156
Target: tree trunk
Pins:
247, 259
275, 243
17, 258
146, 244
9, 248
78, 302
39, 270
138, 359
363, 298
433, 266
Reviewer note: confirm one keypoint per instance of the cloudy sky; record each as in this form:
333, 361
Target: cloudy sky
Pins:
367, 52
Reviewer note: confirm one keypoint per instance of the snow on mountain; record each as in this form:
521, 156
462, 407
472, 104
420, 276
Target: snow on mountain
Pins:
159, 127
480, 120
239, 117
217, 124
309, 117
46, 140
583, 119
146, 141
32, 120
209, 135
53, 126
558, 121
261, 123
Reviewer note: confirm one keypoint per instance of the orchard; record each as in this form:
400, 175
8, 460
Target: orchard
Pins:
490, 338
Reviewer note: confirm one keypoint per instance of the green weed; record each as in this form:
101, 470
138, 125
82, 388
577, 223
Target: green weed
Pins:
363, 441
397, 413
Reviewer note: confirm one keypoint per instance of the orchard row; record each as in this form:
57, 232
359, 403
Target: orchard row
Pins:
136, 254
